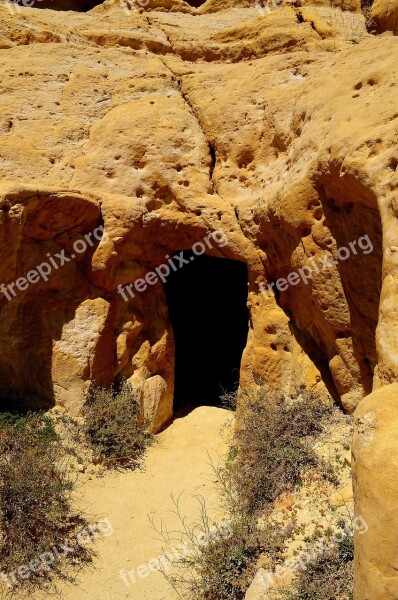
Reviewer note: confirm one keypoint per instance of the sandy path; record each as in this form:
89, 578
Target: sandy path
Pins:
177, 463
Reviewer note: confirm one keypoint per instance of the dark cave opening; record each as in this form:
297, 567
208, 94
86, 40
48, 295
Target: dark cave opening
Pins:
60, 5
195, 3
86, 5
207, 307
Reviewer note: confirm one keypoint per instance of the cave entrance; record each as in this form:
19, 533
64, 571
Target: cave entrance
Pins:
64, 5
207, 307
195, 3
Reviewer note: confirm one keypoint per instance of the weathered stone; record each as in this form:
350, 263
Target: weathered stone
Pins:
167, 125
375, 463
384, 15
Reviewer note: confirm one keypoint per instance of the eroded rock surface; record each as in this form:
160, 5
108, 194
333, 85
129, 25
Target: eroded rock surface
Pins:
375, 466
165, 124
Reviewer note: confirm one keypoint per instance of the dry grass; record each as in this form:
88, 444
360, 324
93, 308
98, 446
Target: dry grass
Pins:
113, 427
273, 447
271, 451
328, 577
35, 503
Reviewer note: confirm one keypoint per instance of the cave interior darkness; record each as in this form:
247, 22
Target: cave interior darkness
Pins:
87, 5
207, 306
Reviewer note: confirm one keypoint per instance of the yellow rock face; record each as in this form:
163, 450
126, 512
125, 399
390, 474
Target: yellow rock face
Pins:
385, 15
375, 466
275, 125
159, 124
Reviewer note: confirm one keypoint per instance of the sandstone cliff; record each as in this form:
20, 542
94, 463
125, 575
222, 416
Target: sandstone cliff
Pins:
163, 124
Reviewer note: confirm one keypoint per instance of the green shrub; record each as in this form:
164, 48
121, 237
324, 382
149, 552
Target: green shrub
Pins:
273, 447
222, 565
35, 509
113, 427
328, 577
229, 400
271, 451
228, 565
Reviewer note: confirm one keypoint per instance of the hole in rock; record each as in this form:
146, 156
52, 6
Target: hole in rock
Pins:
62, 5
207, 307
394, 164
195, 3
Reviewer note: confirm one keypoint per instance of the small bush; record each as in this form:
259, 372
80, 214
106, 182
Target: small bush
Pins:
226, 567
229, 400
35, 510
273, 447
113, 428
271, 451
222, 565
327, 577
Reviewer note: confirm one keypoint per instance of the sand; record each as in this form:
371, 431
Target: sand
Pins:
178, 464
